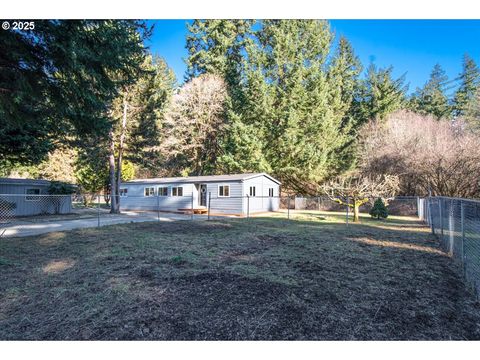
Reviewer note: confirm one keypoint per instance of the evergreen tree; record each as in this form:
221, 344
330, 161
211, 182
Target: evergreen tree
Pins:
242, 148
431, 99
58, 81
287, 98
343, 78
466, 102
148, 99
289, 105
135, 119
219, 47
379, 94
215, 47
379, 210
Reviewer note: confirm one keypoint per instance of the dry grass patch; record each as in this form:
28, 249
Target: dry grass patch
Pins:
265, 278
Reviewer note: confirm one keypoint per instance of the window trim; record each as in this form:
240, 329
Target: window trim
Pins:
273, 192
36, 198
123, 194
254, 191
177, 187
145, 191
162, 187
223, 185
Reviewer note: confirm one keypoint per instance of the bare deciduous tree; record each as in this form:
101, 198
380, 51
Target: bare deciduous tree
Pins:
355, 190
427, 154
194, 122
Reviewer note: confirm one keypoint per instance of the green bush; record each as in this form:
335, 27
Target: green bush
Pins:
379, 210
60, 188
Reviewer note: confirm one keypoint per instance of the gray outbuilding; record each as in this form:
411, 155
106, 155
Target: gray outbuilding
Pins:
236, 194
27, 197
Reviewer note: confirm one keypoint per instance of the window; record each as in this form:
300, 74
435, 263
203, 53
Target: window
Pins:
123, 192
32, 192
270, 192
149, 191
163, 191
177, 191
252, 190
223, 190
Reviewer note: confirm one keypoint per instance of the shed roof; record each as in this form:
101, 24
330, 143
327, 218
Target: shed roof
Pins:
28, 182
199, 179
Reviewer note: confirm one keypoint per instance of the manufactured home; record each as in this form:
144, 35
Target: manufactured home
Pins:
28, 197
236, 194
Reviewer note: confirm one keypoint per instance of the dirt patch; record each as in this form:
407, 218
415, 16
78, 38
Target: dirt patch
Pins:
57, 266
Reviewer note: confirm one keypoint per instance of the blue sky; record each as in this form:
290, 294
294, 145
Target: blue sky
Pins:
411, 46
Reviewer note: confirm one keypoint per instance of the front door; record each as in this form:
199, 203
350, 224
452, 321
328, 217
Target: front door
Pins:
203, 194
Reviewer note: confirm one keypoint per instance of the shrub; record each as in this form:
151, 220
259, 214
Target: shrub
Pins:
60, 188
379, 210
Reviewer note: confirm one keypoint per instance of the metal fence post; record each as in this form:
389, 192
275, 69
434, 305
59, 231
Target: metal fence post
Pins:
418, 208
98, 210
288, 207
208, 210
441, 218
248, 206
430, 215
462, 224
451, 228
192, 204
348, 205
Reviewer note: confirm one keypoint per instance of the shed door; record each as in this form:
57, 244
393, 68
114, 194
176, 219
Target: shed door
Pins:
203, 194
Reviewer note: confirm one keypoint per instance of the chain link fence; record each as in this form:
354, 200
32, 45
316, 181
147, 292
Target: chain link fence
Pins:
400, 205
456, 222
32, 214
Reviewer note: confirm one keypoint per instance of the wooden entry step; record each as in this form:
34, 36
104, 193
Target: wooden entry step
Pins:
198, 210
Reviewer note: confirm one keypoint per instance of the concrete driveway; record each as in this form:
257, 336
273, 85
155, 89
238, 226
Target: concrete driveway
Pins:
29, 228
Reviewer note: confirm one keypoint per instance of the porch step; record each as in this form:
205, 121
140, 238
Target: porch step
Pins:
197, 210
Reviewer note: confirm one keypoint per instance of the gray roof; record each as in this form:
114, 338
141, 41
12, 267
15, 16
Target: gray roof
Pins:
198, 179
12, 181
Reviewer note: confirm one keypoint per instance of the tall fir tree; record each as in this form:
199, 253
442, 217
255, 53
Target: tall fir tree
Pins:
59, 80
466, 102
219, 47
135, 118
431, 99
288, 98
343, 78
215, 47
148, 101
380, 94
289, 109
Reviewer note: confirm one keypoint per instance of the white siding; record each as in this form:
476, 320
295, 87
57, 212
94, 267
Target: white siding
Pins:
261, 202
225, 205
18, 205
136, 200
236, 203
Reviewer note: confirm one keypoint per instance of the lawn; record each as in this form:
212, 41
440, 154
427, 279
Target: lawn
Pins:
263, 278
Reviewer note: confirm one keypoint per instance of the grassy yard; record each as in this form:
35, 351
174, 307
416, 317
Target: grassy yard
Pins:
263, 278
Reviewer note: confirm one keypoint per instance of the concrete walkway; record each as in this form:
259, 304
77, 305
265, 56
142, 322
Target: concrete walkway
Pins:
26, 228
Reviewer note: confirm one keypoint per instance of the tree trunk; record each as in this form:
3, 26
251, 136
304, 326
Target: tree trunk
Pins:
116, 194
111, 164
356, 211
